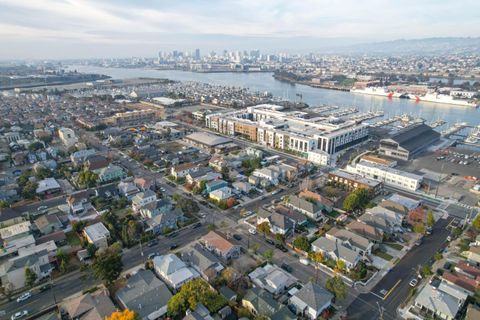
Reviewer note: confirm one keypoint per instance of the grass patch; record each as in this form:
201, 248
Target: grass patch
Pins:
73, 239
383, 255
394, 245
333, 214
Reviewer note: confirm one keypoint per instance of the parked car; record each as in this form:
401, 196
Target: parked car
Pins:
237, 237
45, 287
304, 261
286, 267
197, 225
174, 246
449, 238
281, 247
27, 295
413, 282
42, 208
19, 315
269, 241
152, 255
252, 231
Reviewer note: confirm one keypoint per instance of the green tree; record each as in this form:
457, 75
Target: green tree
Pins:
340, 265
107, 264
192, 293
357, 200
255, 247
35, 146
264, 228
302, 243
30, 277
336, 286
78, 226
430, 218
62, 260
476, 222
280, 238
268, 255
30, 190
438, 256
419, 228
316, 257
4, 204
87, 178
426, 270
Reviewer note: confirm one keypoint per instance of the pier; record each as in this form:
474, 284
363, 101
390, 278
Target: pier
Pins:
454, 129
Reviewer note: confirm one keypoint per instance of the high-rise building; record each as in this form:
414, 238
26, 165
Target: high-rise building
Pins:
197, 54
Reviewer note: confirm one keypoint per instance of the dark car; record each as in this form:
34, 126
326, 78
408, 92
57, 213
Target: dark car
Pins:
237, 237
172, 235
269, 241
196, 225
286, 267
152, 243
174, 246
45, 287
281, 247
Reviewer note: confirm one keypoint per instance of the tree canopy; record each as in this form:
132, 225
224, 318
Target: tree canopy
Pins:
190, 294
357, 200
336, 286
107, 264
302, 243
124, 315
30, 277
430, 218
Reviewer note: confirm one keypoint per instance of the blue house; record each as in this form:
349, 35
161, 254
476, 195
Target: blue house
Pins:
215, 185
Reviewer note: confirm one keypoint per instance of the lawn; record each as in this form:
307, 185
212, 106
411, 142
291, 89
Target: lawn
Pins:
73, 239
383, 255
394, 245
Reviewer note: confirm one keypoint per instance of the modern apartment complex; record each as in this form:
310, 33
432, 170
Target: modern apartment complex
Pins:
131, 118
311, 135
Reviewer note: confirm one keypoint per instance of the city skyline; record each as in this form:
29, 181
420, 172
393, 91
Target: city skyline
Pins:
81, 29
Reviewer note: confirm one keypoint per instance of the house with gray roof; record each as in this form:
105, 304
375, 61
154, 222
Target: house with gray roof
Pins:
351, 240
166, 220
311, 300
173, 271
278, 222
202, 260
145, 294
261, 303
337, 251
438, 303
12, 271
311, 209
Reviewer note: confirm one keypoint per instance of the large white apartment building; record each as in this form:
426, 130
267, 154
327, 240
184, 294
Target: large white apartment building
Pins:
389, 176
315, 137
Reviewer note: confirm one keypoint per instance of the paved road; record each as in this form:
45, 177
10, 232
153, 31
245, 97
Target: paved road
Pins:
396, 281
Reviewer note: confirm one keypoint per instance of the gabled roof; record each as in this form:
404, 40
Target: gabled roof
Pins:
365, 230
9, 213
337, 248
353, 238
144, 293
168, 263
91, 306
314, 296
281, 221
303, 204
213, 239
203, 259
414, 137
438, 301
95, 162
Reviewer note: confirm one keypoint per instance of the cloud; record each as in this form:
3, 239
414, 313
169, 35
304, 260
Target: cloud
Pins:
156, 22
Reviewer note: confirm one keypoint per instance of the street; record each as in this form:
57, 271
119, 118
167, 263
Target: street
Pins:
366, 306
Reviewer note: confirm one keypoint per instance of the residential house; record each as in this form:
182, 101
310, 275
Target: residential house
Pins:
373, 234
128, 189
89, 306
144, 183
96, 162
278, 222
468, 284
351, 240
181, 170
417, 215
472, 255
145, 294
310, 208
307, 194
15, 231
438, 303
167, 220
242, 186
220, 246
404, 201
9, 217
228, 293
48, 223
272, 279
79, 202
311, 300
106, 192
387, 220
261, 303
215, 185
217, 163
48, 186
144, 199
80, 156
220, 194
110, 173
97, 234
161, 206
335, 250
173, 271
467, 269
202, 260
12, 272
269, 174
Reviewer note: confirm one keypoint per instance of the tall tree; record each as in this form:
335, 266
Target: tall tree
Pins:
264, 228
302, 243
430, 218
107, 264
336, 286
30, 277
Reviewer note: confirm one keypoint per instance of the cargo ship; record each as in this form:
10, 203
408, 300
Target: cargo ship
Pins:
379, 91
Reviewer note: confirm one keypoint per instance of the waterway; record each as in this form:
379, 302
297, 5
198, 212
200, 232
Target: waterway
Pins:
313, 96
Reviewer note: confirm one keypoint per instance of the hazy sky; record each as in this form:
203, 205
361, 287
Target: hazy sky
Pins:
120, 28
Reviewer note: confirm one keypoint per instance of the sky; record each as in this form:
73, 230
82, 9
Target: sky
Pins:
60, 29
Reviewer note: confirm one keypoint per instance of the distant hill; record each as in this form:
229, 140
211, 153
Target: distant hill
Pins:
412, 46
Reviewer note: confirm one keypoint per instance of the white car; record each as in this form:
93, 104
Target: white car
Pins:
42, 208
24, 296
19, 315
413, 282
252, 231
304, 261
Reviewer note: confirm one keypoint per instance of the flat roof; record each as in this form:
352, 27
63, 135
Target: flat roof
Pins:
207, 139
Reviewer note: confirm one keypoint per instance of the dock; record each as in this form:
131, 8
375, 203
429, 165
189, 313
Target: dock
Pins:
454, 129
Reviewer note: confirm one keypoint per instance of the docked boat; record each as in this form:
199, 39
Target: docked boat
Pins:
374, 91
443, 98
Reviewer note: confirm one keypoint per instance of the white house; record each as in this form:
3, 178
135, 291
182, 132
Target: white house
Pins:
173, 271
97, 234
